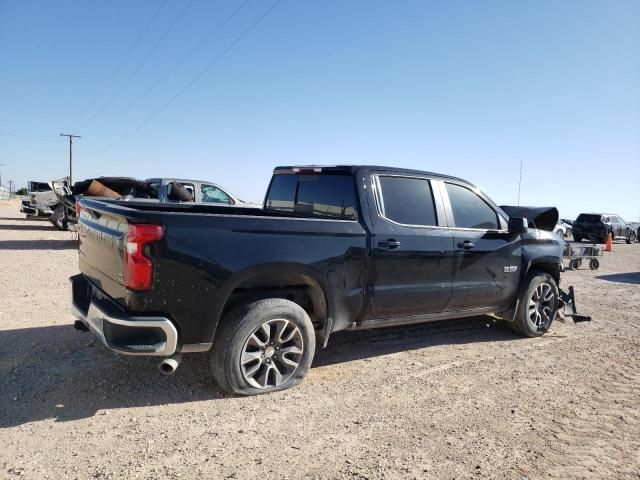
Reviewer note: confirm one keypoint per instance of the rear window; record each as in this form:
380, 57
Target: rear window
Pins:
589, 217
329, 196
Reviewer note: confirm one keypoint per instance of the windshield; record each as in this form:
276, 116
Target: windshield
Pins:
589, 217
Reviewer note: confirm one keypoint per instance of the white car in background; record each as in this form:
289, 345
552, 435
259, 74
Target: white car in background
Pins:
562, 229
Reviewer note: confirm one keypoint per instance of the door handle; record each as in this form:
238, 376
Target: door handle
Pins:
466, 245
389, 244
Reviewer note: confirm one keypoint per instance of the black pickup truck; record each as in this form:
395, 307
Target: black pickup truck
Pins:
333, 248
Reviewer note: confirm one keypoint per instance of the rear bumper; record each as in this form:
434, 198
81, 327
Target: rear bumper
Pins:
119, 331
28, 210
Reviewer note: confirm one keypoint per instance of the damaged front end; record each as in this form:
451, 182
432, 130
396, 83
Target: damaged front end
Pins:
567, 306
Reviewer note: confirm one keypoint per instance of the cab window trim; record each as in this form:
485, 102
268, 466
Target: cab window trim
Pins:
499, 216
379, 199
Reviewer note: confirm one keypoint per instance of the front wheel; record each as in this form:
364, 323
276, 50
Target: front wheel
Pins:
631, 238
262, 347
537, 305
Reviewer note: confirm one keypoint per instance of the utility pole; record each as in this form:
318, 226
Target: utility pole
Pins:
71, 137
1, 165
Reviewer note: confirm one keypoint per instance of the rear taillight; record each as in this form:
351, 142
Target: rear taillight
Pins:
138, 268
78, 208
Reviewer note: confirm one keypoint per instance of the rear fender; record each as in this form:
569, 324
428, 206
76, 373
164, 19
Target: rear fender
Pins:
277, 275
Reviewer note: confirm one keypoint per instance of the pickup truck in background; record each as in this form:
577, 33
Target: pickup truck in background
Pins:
597, 226
163, 190
40, 201
333, 248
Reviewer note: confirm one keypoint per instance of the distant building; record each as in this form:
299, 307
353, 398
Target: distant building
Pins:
4, 193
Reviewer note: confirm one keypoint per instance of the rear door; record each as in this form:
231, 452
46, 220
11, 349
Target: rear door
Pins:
411, 247
487, 259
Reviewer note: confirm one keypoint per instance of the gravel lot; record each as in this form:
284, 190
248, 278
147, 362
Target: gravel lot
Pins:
465, 399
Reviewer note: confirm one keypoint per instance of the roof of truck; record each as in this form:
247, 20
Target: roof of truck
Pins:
351, 169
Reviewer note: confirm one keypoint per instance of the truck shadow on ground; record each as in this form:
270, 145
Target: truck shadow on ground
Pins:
38, 244
36, 226
631, 277
26, 219
57, 373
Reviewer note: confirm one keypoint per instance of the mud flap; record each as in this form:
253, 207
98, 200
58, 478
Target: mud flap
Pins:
324, 332
568, 306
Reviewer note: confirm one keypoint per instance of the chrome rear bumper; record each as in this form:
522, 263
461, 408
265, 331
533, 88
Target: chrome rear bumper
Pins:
129, 335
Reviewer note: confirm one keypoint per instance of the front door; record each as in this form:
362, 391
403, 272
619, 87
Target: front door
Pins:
487, 260
411, 249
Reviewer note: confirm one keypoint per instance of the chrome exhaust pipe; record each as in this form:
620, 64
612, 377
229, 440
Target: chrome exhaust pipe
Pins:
170, 364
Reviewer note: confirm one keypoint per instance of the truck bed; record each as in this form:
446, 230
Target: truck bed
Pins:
205, 251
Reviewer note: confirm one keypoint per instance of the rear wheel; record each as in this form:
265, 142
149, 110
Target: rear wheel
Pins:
537, 305
57, 218
262, 347
631, 238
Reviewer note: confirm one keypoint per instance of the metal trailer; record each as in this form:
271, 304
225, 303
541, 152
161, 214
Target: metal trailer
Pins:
575, 253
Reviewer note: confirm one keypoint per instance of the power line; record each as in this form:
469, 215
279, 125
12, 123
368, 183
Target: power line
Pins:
124, 60
183, 59
29, 139
139, 66
193, 80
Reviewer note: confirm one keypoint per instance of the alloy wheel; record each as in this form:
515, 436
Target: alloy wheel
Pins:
271, 354
542, 306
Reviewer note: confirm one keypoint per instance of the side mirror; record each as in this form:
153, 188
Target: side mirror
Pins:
518, 225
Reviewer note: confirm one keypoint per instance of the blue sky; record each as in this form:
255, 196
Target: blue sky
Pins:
462, 87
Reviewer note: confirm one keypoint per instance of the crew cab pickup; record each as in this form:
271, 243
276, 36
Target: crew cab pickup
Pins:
333, 248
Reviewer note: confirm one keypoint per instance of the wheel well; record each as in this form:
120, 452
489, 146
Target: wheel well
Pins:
300, 289
552, 269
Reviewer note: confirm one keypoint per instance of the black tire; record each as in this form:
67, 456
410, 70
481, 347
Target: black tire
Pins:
631, 238
575, 264
237, 330
57, 218
577, 238
178, 192
569, 232
523, 324
594, 264
560, 233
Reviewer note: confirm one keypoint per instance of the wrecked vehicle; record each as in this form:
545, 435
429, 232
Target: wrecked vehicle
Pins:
40, 201
333, 248
151, 190
596, 227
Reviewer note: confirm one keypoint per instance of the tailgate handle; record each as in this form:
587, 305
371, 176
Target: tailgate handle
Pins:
389, 244
466, 245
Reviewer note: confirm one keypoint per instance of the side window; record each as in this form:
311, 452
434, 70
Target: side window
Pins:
469, 210
212, 194
408, 201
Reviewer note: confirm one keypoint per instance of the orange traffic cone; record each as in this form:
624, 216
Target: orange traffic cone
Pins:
609, 246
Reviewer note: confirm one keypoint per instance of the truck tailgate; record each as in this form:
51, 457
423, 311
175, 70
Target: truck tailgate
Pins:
102, 238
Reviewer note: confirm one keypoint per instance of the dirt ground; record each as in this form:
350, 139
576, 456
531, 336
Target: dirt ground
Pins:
464, 399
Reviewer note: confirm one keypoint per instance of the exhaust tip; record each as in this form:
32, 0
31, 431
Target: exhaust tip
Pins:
170, 364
